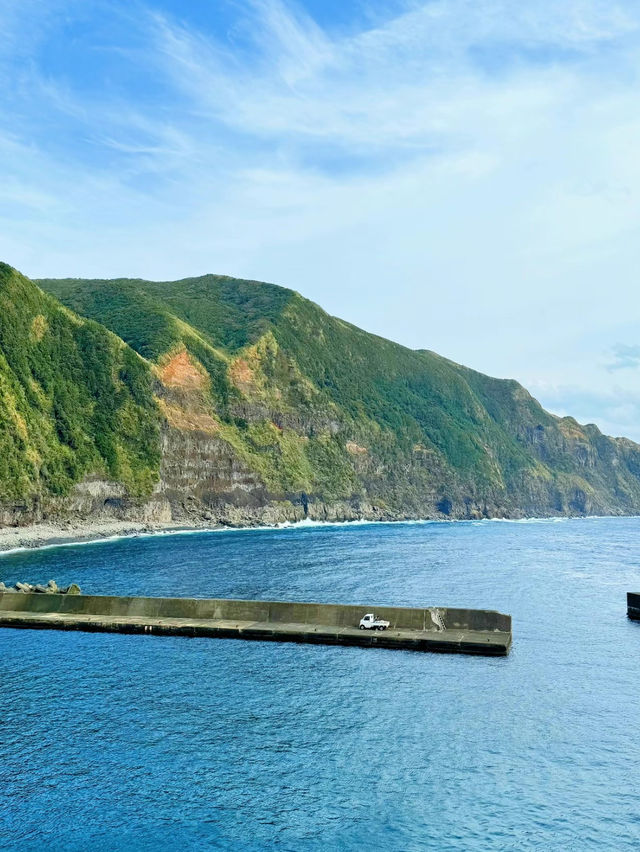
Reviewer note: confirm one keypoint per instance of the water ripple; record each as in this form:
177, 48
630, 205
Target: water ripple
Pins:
140, 743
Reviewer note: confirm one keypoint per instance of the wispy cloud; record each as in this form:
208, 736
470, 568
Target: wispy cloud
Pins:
419, 81
624, 357
457, 175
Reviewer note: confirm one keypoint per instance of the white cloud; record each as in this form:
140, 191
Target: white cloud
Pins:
461, 177
624, 357
616, 411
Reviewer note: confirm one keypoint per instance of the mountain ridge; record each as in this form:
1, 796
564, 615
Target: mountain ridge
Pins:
260, 406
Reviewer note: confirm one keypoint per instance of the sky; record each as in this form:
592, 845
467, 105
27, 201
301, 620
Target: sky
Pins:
456, 175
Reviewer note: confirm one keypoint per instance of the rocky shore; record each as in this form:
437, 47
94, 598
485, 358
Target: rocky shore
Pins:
78, 530
50, 534
52, 588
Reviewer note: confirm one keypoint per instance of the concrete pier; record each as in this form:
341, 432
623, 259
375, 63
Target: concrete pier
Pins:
633, 605
464, 631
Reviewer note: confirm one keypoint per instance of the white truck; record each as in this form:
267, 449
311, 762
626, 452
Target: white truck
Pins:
371, 622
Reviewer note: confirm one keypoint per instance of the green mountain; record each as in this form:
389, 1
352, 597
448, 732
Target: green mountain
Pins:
219, 399
74, 401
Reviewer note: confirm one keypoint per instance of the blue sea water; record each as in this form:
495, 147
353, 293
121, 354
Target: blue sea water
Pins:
112, 742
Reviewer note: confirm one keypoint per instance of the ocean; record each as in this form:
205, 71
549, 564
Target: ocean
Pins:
115, 742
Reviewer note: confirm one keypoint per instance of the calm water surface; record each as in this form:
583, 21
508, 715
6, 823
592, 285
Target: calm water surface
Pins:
132, 742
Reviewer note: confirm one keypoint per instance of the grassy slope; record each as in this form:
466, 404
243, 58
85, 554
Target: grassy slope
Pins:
325, 407
73, 399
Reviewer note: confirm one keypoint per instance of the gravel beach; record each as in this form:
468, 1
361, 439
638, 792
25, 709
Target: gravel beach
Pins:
43, 535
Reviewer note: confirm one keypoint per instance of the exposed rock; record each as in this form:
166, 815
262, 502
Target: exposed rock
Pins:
264, 409
50, 589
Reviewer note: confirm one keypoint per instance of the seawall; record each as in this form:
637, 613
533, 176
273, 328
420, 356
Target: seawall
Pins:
633, 605
425, 629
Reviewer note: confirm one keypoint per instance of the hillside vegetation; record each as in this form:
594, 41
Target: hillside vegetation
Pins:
314, 412
74, 400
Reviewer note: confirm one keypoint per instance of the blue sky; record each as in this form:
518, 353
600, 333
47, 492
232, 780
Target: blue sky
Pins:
458, 175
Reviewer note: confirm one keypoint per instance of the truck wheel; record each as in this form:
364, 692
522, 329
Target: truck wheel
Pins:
362, 627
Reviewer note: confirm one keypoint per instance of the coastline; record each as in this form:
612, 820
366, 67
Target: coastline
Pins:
36, 536
45, 535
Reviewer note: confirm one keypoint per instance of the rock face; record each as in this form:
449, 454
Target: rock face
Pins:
214, 400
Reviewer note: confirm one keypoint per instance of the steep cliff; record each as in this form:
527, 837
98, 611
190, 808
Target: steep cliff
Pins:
269, 409
222, 400
77, 415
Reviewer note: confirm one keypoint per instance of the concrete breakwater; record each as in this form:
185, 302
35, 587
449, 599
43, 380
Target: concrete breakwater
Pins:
633, 605
442, 629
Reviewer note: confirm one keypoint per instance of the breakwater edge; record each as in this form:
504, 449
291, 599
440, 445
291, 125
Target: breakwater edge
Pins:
440, 629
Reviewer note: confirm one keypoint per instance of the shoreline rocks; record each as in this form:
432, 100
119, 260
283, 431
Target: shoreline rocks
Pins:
51, 588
